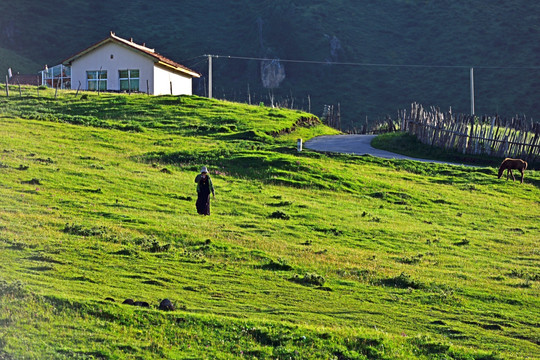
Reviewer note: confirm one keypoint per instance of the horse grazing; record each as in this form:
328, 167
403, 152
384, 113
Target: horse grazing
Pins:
510, 164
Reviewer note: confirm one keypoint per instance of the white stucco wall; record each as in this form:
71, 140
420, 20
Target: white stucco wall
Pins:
181, 85
113, 57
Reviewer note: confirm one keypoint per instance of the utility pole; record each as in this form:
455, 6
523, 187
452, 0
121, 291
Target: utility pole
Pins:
209, 76
472, 91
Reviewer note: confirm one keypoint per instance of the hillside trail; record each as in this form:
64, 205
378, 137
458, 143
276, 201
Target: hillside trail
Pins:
358, 145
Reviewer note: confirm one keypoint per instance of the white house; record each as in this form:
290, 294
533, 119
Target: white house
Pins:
118, 64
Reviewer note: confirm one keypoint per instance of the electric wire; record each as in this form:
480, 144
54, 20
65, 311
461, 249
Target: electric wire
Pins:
375, 64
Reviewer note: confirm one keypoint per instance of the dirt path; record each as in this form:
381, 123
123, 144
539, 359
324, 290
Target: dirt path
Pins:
356, 144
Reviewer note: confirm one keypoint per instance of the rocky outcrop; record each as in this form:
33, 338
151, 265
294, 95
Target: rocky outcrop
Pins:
302, 122
272, 73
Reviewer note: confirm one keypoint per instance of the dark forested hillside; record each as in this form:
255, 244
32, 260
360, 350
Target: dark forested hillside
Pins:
442, 39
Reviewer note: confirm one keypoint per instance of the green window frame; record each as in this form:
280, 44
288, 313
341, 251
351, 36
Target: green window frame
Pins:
96, 80
129, 79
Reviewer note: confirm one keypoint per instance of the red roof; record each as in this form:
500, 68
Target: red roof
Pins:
160, 59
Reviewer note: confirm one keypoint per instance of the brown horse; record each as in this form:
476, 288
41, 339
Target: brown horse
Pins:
509, 164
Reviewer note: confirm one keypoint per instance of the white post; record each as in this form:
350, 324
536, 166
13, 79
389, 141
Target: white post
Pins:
99, 79
209, 76
46, 75
299, 145
472, 91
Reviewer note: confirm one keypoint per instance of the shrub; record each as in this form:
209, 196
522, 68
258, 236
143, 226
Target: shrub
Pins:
309, 279
280, 265
151, 244
403, 281
279, 215
463, 242
411, 260
515, 273
76, 229
14, 289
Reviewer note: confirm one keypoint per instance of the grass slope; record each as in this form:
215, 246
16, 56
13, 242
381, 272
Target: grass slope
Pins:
17, 63
305, 255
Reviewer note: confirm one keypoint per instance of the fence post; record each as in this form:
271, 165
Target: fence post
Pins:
536, 130
504, 147
7, 86
339, 115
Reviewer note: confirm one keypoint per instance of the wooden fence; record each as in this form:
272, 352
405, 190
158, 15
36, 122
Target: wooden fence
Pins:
332, 116
516, 137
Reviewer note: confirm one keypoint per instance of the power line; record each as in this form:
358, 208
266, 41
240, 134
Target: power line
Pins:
375, 64
196, 57
198, 62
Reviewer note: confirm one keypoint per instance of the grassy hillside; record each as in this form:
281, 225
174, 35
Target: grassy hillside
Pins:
498, 36
18, 63
305, 255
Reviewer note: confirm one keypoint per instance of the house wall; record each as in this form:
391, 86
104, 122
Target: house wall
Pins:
181, 84
123, 58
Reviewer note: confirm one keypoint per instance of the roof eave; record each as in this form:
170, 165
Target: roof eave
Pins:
182, 70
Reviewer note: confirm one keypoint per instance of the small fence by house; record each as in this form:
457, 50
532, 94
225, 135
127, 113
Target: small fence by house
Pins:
489, 135
331, 116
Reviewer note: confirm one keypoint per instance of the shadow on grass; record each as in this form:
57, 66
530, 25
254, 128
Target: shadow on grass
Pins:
247, 155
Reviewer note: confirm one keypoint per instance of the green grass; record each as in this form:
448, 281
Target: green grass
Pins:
305, 255
17, 63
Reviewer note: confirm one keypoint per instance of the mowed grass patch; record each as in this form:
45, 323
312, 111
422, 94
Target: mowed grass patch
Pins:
418, 260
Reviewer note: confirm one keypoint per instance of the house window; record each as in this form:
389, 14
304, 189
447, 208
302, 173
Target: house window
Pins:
58, 76
129, 80
97, 80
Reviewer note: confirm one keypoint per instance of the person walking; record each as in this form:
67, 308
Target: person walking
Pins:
204, 188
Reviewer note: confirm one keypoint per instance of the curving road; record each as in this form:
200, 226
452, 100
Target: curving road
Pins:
358, 145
